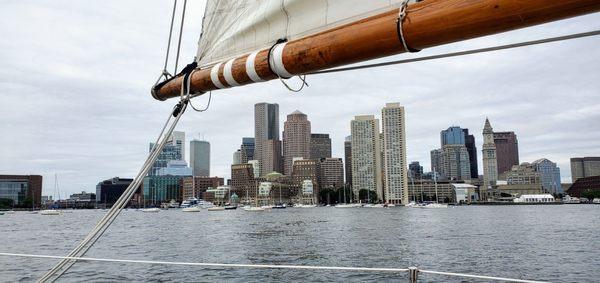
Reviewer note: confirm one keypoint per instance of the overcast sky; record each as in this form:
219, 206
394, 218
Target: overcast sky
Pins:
75, 79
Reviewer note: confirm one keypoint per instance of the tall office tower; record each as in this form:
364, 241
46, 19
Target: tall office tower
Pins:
437, 162
490, 165
456, 162
415, 170
200, 158
394, 153
582, 167
472, 150
170, 152
550, 175
247, 149
237, 157
507, 150
366, 171
348, 159
332, 173
320, 146
296, 139
266, 137
178, 139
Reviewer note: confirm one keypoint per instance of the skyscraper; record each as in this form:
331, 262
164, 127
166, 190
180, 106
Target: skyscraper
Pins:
550, 175
490, 165
296, 139
507, 150
332, 173
348, 159
472, 150
456, 161
437, 162
178, 139
366, 171
394, 153
267, 148
247, 150
200, 158
170, 152
582, 167
320, 146
415, 170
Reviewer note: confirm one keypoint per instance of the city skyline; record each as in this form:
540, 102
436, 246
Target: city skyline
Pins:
98, 123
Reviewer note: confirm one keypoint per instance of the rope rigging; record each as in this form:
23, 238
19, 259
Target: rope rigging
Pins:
463, 53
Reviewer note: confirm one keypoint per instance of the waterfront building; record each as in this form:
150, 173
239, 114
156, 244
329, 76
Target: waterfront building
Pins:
255, 167
348, 159
472, 150
169, 153
110, 190
582, 167
585, 187
415, 170
520, 180
197, 186
320, 146
247, 149
507, 150
21, 189
200, 158
490, 163
437, 162
425, 190
306, 169
177, 168
550, 175
244, 181
366, 154
332, 173
83, 197
159, 189
464, 193
456, 164
267, 148
296, 139
394, 153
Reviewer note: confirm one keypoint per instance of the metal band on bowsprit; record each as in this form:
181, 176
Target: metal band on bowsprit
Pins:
228, 74
251, 69
276, 61
214, 76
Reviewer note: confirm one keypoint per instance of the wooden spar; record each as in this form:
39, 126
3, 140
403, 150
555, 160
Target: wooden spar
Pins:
428, 23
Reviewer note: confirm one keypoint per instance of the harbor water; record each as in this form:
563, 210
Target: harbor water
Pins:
558, 243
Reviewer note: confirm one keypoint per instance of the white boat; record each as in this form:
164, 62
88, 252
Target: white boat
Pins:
216, 208
596, 201
191, 209
50, 212
153, 209
571, 200
253, 208
305, 205
266, 207
374, 205
389, 205
434, 205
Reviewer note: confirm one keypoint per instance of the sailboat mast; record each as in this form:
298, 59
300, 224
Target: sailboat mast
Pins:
427, 23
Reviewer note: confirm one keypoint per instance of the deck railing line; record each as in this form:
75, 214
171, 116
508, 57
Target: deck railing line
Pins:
274, 266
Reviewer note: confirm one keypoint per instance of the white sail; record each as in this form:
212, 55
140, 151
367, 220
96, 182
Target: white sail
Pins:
232, 28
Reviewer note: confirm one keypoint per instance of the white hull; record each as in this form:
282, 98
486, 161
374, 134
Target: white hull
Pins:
305, 205
216, 208
253, 208
191, 209
152, 210
50, 212
434, 205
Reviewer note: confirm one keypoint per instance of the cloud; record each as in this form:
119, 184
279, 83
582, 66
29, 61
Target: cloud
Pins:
75, 79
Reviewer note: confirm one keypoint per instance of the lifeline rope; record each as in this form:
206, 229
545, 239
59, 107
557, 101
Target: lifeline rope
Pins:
270, 57
112, 214
275, 266
462, 53
401, 16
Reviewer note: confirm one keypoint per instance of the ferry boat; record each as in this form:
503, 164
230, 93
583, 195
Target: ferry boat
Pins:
571, 200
